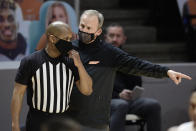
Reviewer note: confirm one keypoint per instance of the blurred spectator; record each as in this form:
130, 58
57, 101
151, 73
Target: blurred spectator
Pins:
30, 8
189, 19
56, 12
191, 125
122, 102
13, 46
189, 13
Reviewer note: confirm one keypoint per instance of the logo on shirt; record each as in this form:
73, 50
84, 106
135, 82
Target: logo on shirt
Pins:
93, 62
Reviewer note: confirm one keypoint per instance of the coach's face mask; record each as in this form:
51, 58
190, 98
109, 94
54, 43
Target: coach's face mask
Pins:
85, 37
64, 46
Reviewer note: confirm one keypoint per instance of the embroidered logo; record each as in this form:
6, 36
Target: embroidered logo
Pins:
93, 62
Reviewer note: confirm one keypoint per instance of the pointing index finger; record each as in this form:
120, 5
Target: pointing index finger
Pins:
186, 76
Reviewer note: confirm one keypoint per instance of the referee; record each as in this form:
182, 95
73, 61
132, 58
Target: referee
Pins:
48, 76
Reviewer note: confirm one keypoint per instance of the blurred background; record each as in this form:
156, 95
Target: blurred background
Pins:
161, 31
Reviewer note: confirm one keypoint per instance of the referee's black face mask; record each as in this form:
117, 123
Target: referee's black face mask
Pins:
64, 46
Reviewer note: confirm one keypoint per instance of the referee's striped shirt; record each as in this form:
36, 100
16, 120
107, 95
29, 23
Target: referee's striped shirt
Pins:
50, 81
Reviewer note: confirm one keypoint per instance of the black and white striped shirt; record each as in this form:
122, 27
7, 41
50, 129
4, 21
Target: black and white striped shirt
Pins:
50, 81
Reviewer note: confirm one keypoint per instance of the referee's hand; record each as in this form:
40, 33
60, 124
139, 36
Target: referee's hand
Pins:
76, 57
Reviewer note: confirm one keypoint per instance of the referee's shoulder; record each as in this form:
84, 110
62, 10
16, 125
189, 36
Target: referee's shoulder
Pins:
32, 56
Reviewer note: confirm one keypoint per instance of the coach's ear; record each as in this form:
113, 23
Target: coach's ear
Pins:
98, 33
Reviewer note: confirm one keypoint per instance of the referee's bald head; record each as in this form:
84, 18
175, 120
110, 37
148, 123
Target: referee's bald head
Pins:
59, 30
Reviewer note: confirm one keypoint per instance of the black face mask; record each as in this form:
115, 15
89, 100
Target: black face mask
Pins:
64, 46
85, 37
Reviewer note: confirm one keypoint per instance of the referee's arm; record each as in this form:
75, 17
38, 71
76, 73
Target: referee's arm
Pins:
85, 83
16, 104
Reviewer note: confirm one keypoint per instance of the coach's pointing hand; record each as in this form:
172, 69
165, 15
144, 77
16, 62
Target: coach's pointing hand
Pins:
177, 76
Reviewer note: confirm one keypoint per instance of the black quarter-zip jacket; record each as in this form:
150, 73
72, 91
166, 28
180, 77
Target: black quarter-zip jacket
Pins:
101, 60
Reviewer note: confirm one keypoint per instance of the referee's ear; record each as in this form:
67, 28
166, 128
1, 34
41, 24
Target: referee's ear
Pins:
52, 38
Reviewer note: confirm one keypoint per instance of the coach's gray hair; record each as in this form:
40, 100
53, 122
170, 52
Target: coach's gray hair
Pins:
95, 13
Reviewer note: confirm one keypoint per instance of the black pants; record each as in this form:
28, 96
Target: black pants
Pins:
148, 109
36, 119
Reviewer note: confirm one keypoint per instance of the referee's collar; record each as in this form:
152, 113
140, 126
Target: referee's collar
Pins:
56, 60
